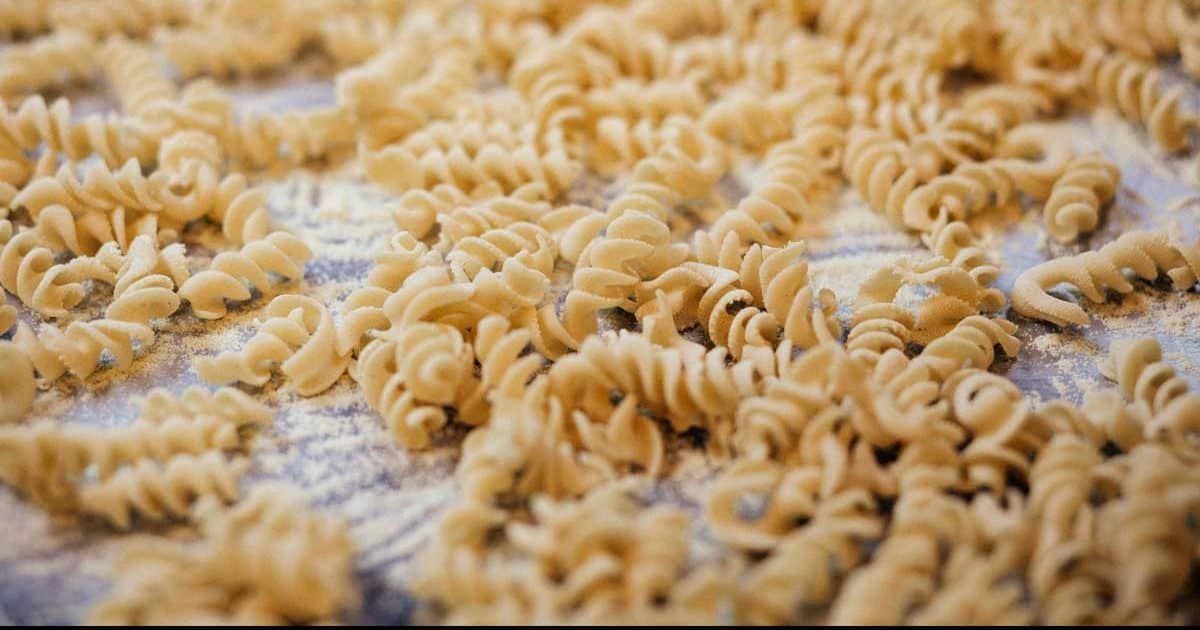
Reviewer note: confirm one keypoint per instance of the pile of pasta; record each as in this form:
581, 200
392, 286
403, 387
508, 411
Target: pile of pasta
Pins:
868, 469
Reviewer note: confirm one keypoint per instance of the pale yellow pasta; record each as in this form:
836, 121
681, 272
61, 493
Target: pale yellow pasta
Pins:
156, 492
1075, 201
19, 387
1147, 254
279, 252
298, 336
60, 58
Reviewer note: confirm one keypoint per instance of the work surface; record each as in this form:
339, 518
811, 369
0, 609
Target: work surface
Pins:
336, 449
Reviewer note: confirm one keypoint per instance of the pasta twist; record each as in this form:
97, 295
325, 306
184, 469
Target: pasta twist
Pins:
298, 561
278, 253
636, 245
1134, 88
33, 124
398, 91
1095, 273
159, 405
400, 170
158, 492
145, 284
774, 208
46, 62
785, 582
527, 448
28, 270
298, 335
878, 324
241, 211
139, 82
80, 348
689, 392
528, 243
970, 344
1148, 382
1000, 421
504, 369
135, 18
969, 189
1074, 204
17, 385
410, 374
957, 244
1148, 536
262, 139
877, 167
229, 50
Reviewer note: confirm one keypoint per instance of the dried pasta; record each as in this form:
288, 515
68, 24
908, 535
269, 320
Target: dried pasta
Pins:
604, 280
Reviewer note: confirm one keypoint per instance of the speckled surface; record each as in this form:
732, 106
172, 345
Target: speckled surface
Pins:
336, 450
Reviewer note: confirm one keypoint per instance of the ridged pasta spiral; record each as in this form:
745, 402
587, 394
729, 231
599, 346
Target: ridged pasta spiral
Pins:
774, 208
399, 91
1171, 410
1001, 424
160, 404
689, 391
17, 385
410, 374
878, 324
49, 61
399, 170
636, 246
298, 335
28, 270
785, 583
527, 448
1068, 586
504, 368
156, 492
960, 246
526, 242
278, 253
970, 344
139, 82
1134, 88
145, 284
1075, 201
1147, 254
135, 18
262, 139
902, 573
80, 348
298, 560
1148, 536
878, 168
229, 50
33, 124
967, 190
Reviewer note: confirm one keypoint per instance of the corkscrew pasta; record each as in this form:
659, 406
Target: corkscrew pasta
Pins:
584, 255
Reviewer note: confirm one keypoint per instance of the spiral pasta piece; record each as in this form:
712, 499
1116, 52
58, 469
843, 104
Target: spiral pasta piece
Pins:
878, 324
19, 386
80, 347
1134, 88
130, 17
159, 405
278, 253
298, 336
28, 270
400, 170
145, 284
49, 61
1170, 408
139, 82
409, 375
157, 492
1147, 254
1001, 424
1074, 204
